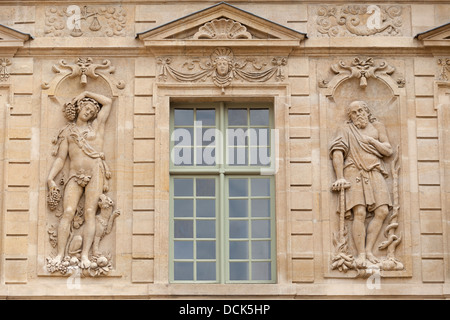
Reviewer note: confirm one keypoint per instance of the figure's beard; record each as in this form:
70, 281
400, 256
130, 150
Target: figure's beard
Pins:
361, 122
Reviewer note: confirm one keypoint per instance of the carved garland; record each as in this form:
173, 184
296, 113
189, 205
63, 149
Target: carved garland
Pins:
444, 65
223, 68
4, 73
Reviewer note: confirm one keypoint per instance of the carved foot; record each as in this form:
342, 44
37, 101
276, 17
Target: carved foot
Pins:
372, 258
361, 261
85, 262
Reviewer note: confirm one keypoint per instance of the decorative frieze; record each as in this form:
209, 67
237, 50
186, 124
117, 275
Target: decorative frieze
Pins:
223, 68
94, 21
444, 68
4, 73
358, 20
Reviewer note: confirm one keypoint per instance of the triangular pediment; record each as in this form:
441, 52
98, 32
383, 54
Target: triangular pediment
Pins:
11, 39
439, 36
222, 22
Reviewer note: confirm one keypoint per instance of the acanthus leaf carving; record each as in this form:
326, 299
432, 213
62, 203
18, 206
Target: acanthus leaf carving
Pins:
222, 67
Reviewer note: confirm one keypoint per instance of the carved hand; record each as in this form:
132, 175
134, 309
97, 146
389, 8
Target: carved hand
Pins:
340, 184
52, 185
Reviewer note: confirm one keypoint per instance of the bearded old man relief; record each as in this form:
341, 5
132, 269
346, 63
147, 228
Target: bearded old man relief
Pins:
357, 154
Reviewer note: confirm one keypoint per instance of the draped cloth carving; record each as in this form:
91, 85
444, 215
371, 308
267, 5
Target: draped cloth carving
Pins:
223, 68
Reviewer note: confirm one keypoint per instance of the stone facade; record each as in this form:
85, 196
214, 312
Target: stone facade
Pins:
128, 62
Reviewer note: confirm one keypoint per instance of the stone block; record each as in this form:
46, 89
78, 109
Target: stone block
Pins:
144, 126
22, 84
143, 198
302, 246
300, 105
142, 246
143, 86
143, 105
23, 105
298, 66
424, 86
428, 149
432, 246
16, 246
430, 197
303, 270
19, 175
301, 222
422, 15
16, 271
301, 173
424, 66
144, 174
429, 173
142, 271
21, 66
144, 150
17, 200
299, 126
300, 149
16, 223
144, 67
427, 128
433, 270
143, 222
301, 198
425, 107
19, 127
299, 85
431, 222
19, 150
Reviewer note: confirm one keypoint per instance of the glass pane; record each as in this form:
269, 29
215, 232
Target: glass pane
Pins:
238, 187
206, 207
239, 271
259, 137
183, 250
183, 208
237, 156
238, 229
206, 249
238, 208
260, 207
207, 117
206, 156
184, 117
183, 137
260, 249
259, 117
183, 228
205, 187
207, 138
206, 271
261, 229
206, 229
261, 271
238, 250
260, 156
237, 137
183, 270
260, 187
183, 156
237, 117
183, 187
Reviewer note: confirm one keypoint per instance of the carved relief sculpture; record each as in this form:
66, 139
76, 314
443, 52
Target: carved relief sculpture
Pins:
222, 29
444, 65
93, 20
358, 154
4, 73
80, 143
359, 20
223, 68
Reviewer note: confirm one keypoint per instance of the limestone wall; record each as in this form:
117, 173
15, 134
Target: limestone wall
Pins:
321, 62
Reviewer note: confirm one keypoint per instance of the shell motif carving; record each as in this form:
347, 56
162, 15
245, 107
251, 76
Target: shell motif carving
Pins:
222, 29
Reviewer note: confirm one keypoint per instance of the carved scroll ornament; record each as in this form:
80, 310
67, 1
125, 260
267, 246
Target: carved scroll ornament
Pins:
223, 68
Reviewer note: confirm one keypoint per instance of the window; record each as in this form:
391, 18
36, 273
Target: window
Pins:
222, 208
